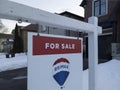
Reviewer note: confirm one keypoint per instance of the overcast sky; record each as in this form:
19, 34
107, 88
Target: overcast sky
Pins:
54, 6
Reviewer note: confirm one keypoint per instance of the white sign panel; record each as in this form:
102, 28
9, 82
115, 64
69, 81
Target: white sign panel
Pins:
54, 63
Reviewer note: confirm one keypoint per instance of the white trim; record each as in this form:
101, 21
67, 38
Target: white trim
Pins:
20, 77
107, 29
104, 34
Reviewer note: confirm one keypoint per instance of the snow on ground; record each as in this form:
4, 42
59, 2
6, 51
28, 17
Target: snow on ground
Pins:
108, 76
19, 61
108, 73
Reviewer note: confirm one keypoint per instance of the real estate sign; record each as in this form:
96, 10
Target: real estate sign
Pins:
54, 62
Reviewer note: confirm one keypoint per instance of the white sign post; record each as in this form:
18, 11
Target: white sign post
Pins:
14, 11
93, 55
55, 63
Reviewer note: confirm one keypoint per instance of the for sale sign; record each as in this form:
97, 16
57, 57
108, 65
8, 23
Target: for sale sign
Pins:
43, 45
54, 63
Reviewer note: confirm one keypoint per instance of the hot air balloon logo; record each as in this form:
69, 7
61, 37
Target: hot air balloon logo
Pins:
61, 71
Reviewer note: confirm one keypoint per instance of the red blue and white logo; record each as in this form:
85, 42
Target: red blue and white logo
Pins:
61, 70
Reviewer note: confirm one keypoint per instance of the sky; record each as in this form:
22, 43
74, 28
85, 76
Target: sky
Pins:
53, 6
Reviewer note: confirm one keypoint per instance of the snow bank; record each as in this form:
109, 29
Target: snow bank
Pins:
108, 76
19, 61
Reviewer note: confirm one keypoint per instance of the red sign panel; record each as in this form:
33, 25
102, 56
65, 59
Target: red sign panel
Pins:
52, 45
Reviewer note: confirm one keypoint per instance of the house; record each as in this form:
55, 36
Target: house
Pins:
73, 16
108, 13
6, 42
23, 32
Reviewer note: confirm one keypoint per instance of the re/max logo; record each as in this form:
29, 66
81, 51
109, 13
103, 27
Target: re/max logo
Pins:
61, 67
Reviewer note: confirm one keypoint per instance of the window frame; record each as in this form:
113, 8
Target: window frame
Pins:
93, 8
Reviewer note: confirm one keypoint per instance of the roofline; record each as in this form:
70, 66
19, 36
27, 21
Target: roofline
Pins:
83, 3
70, 13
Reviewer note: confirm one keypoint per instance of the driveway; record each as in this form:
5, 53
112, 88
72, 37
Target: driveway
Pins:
14, 79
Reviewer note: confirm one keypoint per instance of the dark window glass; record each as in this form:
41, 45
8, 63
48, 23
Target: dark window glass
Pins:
96, 8
103, 6
99, 7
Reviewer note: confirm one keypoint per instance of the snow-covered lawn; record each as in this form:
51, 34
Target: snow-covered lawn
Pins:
108, 73
19, 61
108, 76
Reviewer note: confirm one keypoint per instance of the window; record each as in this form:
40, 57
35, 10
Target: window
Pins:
100, 7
